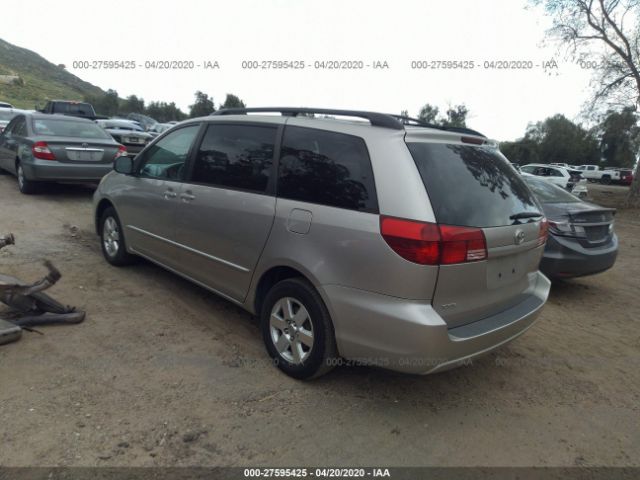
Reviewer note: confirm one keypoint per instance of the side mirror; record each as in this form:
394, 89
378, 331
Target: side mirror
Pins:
123, 165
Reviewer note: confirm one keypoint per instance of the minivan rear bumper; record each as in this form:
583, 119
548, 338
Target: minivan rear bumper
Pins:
409, 336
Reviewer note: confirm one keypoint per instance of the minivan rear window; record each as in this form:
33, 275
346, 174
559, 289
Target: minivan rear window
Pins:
471, 186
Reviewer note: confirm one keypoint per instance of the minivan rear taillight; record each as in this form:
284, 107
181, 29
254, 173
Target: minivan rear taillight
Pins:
432, 244
41, 150
543, 232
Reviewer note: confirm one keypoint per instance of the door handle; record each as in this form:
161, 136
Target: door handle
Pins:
169, 194
187, 197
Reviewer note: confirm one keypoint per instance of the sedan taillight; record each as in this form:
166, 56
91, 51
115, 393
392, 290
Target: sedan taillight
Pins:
122, 151
41, 150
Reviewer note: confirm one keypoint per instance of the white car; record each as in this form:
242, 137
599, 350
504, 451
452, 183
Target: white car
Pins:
594, 174
569, 179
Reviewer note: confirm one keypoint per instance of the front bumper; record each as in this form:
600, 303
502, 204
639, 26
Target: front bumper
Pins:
409, 336
564, 257
53, 171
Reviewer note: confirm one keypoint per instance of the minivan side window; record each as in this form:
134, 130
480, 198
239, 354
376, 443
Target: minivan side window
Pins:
236, 157
326, 168
166, 158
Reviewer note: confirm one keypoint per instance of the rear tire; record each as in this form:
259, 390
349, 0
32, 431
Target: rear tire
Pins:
605, 180
112, 240
297, 329
25, 186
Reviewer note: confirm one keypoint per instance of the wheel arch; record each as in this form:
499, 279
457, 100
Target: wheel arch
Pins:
100, 208
274, 273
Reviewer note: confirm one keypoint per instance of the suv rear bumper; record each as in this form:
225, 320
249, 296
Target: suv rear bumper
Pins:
409, 336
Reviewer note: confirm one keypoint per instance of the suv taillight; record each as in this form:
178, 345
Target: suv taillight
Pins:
432, 244
41, 150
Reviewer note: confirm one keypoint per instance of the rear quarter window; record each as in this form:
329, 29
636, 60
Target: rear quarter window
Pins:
326, 168
471, 185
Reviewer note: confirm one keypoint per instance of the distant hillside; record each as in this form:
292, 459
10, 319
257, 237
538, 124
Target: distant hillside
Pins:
27, 79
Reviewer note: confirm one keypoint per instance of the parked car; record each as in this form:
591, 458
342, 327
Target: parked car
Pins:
5, 105
159, 128
593, 173
626, 176
39, 147
127, 134
144, 120
6, 114
71, 108
341, 252
569, 179
581, 237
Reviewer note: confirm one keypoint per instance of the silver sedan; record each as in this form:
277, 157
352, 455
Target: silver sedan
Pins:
38, 147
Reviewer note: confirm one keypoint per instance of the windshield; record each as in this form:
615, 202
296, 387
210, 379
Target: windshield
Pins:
548, 192
470, 185
68, 128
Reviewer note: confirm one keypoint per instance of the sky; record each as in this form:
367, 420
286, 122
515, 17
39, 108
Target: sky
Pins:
501, 102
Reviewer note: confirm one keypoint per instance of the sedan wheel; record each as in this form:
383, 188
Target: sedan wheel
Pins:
25, 186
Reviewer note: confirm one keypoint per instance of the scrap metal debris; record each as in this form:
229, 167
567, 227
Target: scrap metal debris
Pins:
28, 305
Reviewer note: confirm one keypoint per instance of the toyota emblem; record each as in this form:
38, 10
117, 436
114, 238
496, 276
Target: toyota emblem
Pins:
519, 237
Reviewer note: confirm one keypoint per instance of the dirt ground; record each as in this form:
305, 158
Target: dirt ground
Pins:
163, 373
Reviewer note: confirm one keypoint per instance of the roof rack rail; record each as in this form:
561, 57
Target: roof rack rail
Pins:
419, 123
376, 119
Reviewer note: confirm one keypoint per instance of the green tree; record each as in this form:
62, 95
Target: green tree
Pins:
429, 114
620, 137
165, 112
558, 139
232, 102
107, 104
202, 106
522, 151
456, 116
133, 104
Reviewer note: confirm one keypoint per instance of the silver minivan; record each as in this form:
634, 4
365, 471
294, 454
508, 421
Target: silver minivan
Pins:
356, 237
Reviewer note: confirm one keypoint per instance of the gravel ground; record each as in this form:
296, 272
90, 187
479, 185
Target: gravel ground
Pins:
163, 373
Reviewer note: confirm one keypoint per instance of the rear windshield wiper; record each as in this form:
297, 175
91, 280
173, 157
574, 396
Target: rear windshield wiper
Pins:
521, 215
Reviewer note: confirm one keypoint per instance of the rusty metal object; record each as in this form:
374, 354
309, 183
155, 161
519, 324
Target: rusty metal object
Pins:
28, 304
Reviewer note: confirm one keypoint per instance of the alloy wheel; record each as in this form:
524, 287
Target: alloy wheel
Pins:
111, 236
291, 330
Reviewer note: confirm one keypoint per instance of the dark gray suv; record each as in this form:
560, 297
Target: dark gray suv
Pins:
373, 238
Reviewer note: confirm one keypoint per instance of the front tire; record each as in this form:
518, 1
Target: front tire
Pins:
112, 239
25, 186
297, 329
